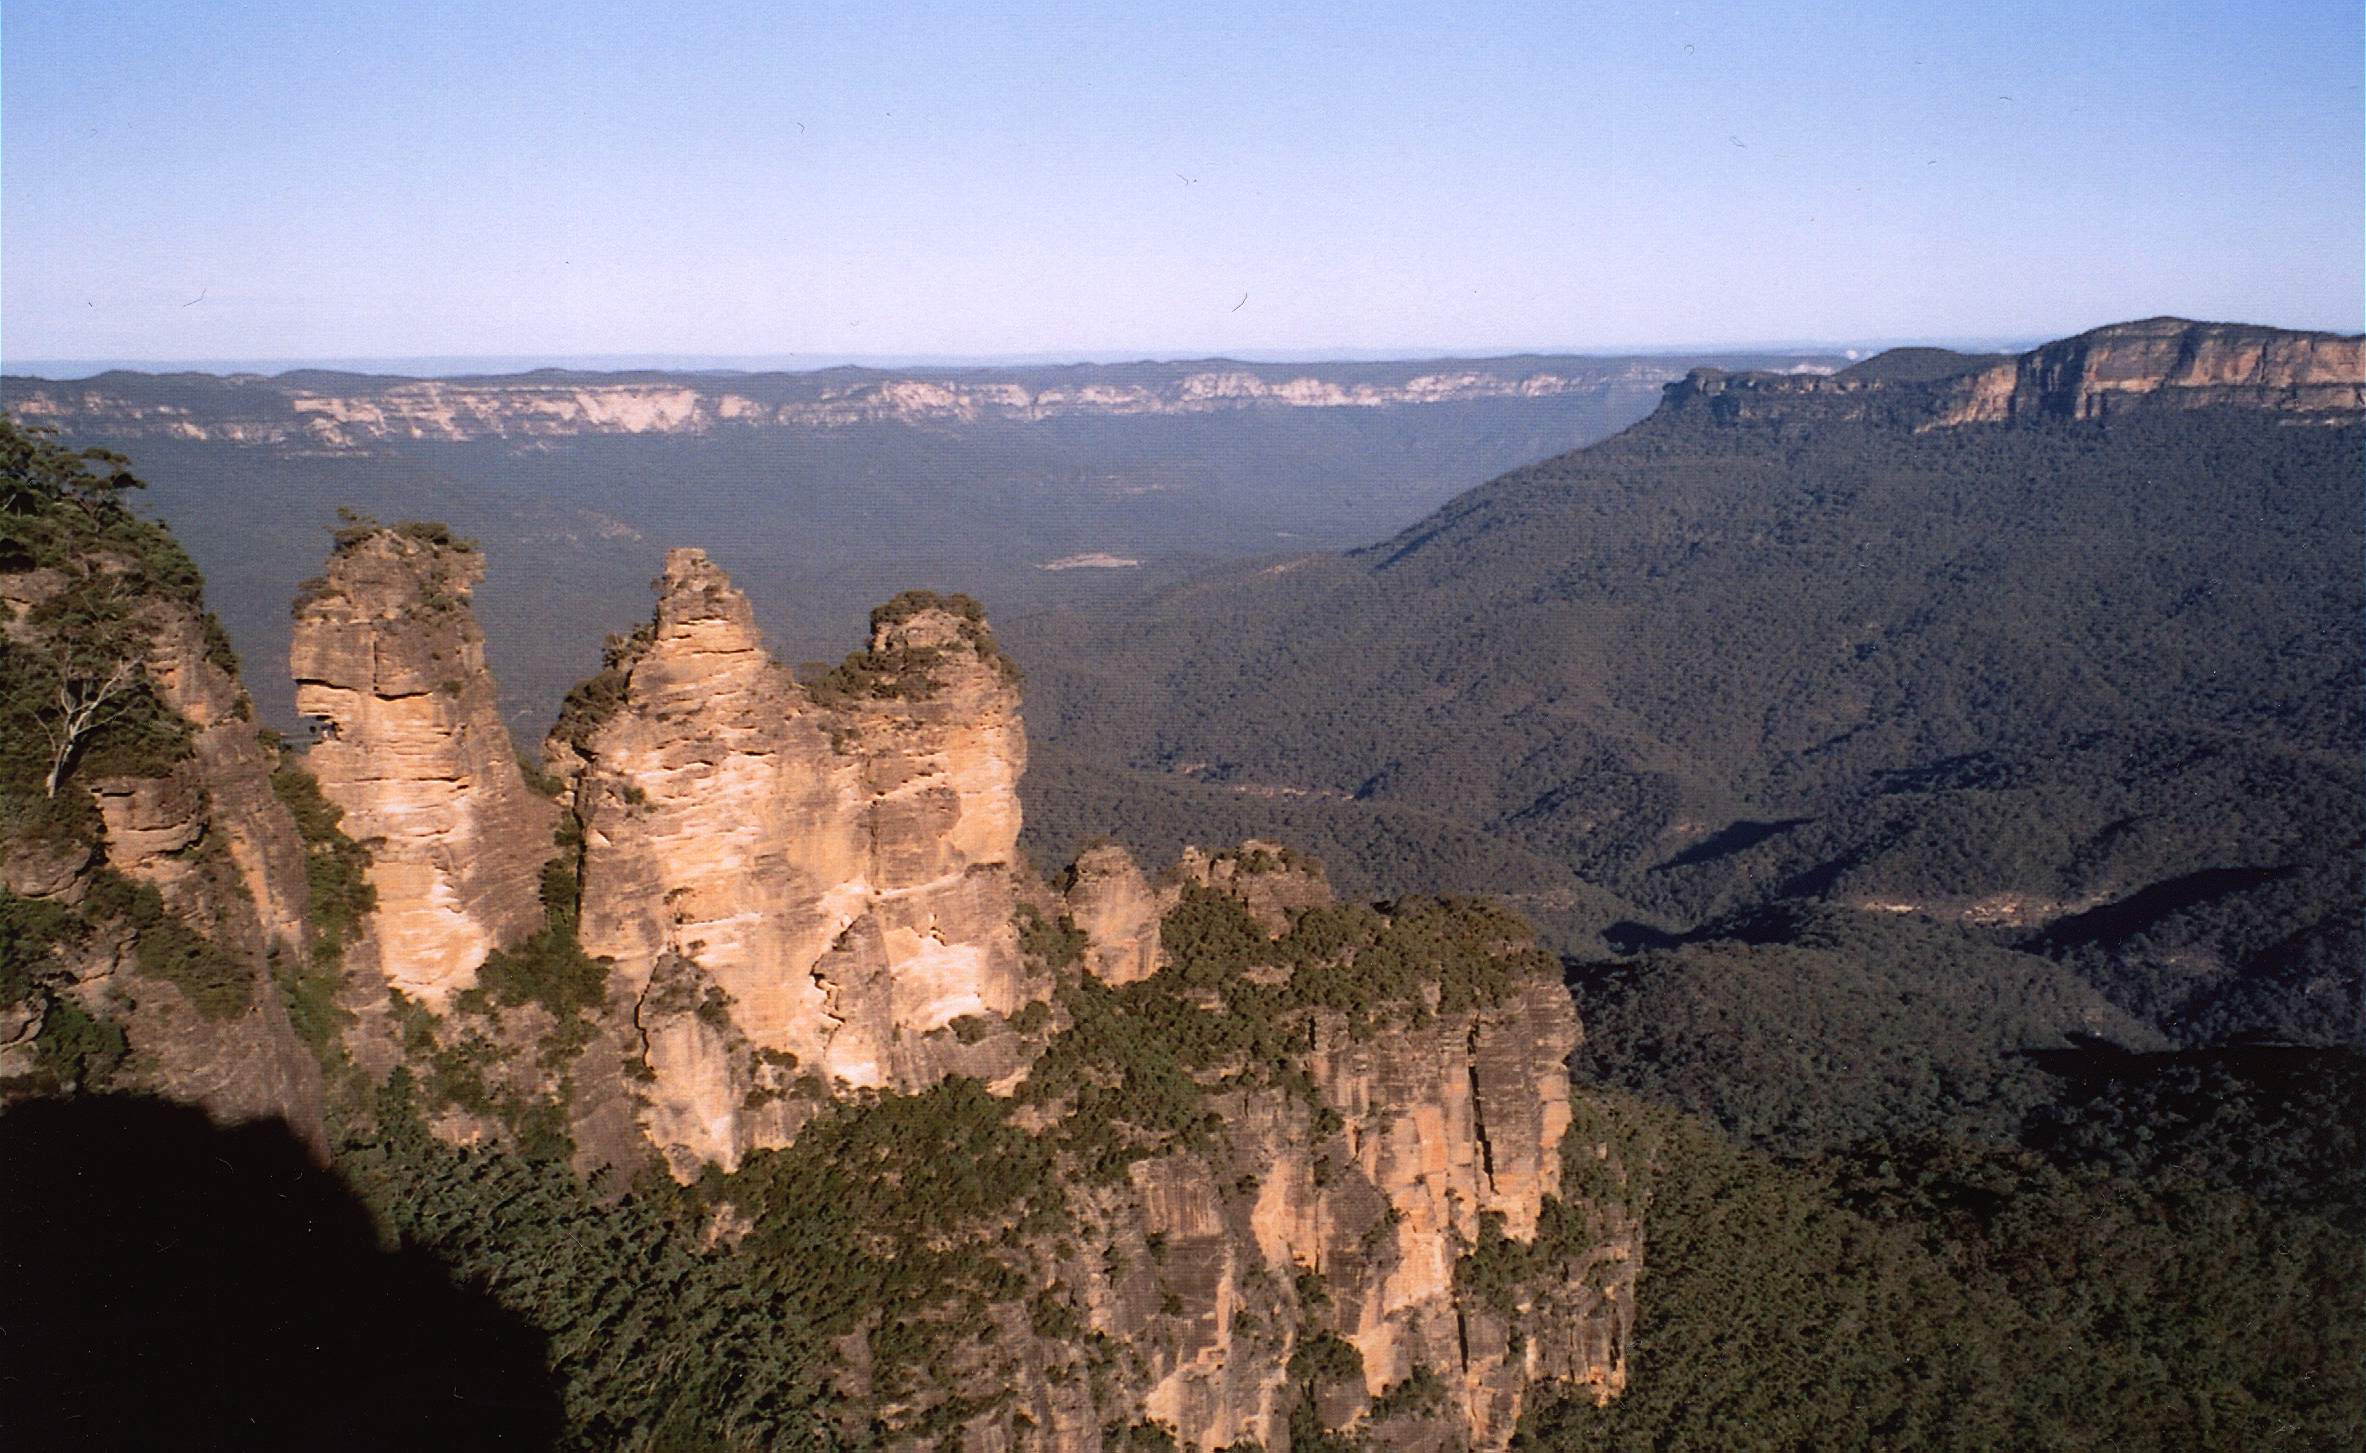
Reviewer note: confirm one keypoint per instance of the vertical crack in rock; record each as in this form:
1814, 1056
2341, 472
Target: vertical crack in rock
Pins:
1479, 1111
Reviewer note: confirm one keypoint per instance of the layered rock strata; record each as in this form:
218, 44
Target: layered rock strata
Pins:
2169, 363
2153, 364
1434, 1130
931, 713
1426, 1132
315, 413
389, 658
1400, 1219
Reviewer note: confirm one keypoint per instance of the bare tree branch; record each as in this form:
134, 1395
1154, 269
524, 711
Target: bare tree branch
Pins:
86, 701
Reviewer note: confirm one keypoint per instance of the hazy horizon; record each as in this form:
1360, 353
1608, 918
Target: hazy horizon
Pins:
459, 365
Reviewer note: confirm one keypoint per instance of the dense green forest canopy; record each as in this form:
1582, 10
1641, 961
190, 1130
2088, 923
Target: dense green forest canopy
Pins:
2080, 690
1932, 1293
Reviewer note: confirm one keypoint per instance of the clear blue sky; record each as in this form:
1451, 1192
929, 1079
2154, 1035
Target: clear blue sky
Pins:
344, 180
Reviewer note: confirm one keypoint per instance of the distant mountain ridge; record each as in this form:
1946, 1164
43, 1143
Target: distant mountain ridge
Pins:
324, 410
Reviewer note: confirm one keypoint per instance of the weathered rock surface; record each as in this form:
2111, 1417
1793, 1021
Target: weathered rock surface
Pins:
721, 831
388, 655
1332, 1226
1435, 1128
933, 718
840, 870
235, 768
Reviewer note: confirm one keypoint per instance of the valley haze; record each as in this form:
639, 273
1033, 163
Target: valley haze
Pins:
833, 488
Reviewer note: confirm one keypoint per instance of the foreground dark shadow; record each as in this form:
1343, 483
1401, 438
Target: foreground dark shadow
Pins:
168, 1284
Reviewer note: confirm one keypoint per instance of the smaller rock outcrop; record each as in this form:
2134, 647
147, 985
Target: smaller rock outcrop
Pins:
1271, 881
388, 656
1114, 906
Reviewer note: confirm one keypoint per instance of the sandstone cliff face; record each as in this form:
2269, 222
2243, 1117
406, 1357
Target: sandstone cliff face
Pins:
2158, 363
1388, 1249
251, 897
719, 824
222, 854
388, 655
838, 873
933, 717
2169, 363
1424, 1132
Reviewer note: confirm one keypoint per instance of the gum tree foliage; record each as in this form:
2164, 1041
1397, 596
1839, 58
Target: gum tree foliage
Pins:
74, 692
336, 872
898, 672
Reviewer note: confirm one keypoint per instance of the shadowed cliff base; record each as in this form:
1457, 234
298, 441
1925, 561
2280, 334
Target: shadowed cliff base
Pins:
165, 1283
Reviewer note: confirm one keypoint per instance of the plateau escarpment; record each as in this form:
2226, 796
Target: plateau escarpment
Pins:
320, 411
1798, 636
1022, 474
1217, 1157
2155, 364
2171, 363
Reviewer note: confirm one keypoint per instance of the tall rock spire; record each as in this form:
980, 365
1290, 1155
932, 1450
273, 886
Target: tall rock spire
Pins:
387, 654
931, 711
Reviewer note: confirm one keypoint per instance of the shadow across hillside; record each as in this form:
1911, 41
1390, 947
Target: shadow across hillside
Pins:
165, 1283
2126, 917
1734, 837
